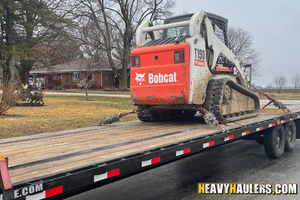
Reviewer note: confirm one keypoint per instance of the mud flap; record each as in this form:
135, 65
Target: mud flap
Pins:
297, 128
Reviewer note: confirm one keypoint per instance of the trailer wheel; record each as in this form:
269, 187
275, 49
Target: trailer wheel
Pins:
274, 142
290, 136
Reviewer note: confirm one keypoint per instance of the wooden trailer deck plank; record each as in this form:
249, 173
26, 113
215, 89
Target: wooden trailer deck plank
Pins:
95, 142
45, 168
47, 153
84, 129
82, 137
75, 133
60, 147
56, 166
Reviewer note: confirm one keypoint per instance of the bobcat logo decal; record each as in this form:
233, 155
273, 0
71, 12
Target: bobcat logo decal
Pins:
140, 78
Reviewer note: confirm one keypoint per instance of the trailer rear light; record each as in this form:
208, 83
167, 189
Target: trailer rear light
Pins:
179, 56
135, 61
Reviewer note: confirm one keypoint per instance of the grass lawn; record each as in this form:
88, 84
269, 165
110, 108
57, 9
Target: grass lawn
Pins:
89, 91
60, 113
68, 112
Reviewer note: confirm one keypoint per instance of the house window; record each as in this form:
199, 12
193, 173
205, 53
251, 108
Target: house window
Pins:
75, 76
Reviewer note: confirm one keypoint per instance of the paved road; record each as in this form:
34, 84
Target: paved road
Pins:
237, 162
83, 94
285, 102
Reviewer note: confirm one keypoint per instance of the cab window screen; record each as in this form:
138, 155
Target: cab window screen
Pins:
177, 32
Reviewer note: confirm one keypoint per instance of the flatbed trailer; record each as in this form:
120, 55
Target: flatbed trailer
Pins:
52, 165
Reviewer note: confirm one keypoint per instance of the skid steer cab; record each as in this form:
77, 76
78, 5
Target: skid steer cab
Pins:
174, 64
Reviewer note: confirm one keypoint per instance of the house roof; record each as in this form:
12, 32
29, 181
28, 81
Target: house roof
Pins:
88, 64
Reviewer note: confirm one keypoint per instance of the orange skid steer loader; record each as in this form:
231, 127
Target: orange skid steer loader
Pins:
186, 66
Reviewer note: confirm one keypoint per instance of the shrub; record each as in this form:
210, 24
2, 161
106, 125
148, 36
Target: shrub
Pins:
36, 98
30, 98
60, 87
9, 98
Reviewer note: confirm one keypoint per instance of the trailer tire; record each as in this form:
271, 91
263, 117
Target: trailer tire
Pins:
290, 136
274, 142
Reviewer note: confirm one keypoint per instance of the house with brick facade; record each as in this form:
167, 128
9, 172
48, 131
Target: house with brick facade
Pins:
71, 73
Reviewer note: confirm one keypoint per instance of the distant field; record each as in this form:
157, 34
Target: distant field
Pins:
282, 96
60, 113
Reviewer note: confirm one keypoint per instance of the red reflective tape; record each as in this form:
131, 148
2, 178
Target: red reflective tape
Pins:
187, 150
259, 128
245, 133
5, 175
54, 191
211, 143
231, 137
112, 173
155, 160
271, 125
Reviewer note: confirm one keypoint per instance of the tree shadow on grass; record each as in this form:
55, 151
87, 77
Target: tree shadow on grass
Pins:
11, 116
87, 100
29, 105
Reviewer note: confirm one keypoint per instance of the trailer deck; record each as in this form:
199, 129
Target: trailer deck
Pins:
65, 161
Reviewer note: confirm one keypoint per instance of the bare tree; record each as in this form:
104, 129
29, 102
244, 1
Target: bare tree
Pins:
240, 41
269, 86
110, 27
279, 82
86, 78
295, 81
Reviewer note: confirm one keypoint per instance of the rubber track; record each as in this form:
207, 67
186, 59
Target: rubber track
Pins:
214, 99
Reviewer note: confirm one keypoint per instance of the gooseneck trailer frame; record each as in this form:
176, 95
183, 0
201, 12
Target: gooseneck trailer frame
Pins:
51, 165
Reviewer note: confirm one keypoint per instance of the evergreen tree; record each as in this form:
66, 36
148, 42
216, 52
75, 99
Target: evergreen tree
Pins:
27, 26
7, 37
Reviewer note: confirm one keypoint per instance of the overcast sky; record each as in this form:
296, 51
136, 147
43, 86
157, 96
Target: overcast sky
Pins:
274, 25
